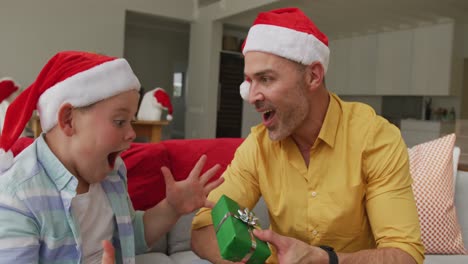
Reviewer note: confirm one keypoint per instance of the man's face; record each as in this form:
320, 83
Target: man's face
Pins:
279, 92
103, 131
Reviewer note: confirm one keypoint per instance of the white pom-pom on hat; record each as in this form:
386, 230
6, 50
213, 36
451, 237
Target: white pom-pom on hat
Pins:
245, 90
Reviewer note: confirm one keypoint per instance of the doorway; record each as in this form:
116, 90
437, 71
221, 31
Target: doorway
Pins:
156, 48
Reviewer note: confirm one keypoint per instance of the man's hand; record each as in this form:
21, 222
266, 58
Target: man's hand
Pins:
190, 194
291, 250
108, 257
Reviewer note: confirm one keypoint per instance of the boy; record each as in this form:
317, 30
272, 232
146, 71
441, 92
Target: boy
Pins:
64, 194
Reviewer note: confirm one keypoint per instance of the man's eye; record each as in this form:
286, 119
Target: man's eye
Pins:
265, 79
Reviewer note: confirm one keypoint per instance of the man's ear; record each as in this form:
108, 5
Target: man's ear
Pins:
315, 75
65, 119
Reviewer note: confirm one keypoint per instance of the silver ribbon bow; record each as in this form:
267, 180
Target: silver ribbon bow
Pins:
247, 217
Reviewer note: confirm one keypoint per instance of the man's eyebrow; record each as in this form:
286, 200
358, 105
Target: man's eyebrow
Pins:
261, 73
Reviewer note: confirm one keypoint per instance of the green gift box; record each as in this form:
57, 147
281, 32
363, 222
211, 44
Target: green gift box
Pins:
233, 228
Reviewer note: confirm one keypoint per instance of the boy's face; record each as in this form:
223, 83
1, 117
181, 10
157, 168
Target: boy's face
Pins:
102, 132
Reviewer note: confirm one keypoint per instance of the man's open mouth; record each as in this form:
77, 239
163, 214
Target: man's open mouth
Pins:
268, 115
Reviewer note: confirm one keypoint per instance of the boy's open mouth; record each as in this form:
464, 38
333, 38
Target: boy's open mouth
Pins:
112, 157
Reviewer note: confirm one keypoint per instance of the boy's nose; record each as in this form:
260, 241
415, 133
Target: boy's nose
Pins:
131, 135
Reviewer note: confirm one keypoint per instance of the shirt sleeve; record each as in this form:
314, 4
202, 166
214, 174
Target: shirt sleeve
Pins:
391, 206
19, 235
240, 182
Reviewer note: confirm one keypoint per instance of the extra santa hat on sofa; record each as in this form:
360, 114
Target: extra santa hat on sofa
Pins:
288, 33
78, 78
7, 88
152, 104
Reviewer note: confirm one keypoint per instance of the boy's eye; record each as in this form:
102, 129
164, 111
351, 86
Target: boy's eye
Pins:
119, 123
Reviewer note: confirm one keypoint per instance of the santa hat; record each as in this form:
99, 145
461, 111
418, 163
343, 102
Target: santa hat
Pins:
288, 33
7, 88
77, 78
164, 101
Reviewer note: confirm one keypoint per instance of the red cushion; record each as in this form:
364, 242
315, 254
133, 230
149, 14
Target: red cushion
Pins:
184, 154
145, 180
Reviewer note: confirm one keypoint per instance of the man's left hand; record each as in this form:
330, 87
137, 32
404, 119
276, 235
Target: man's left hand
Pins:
290, 250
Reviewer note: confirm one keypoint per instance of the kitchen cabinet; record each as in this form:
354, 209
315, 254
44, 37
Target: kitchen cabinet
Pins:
418, 61
432, 60
336, 78
362, 70
352, 65
393, 69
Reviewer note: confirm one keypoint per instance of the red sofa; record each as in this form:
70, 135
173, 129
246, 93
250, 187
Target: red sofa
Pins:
144, 161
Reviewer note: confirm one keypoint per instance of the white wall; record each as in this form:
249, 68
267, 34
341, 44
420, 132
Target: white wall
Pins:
32, 31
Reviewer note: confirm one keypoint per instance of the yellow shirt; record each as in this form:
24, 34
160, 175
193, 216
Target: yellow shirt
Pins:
356, 193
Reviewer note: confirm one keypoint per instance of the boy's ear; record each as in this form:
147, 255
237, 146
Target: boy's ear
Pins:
65, 119
315, 75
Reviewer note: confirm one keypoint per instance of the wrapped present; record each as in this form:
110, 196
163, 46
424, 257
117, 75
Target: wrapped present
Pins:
233, 228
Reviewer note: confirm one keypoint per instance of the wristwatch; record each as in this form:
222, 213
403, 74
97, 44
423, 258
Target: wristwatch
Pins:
331, 254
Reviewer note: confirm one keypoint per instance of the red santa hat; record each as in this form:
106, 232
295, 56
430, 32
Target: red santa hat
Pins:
78, 78
164, 101
289, 33
7, 88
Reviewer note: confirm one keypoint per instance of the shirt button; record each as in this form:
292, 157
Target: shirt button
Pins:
314, 232
314, 194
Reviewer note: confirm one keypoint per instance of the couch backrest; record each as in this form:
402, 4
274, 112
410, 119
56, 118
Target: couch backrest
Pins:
461, 203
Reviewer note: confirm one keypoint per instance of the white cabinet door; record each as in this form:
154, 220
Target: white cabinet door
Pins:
393, 72
362, 70
338, 69
432, 60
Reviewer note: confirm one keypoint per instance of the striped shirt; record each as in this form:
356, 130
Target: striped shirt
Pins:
37, 224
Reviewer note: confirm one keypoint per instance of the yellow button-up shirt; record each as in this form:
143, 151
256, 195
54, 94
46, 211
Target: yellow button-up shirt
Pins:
355, 194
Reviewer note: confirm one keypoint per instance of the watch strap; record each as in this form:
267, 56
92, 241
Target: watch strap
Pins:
333, 258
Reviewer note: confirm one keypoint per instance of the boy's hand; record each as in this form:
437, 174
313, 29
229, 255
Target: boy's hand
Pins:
190, 194
108, 257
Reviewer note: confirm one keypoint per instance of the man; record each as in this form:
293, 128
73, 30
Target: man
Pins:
334, 175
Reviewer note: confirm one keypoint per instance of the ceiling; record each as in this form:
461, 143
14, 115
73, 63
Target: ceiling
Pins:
345, 18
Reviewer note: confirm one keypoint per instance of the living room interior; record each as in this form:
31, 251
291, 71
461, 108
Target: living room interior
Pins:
398, 46
407, 59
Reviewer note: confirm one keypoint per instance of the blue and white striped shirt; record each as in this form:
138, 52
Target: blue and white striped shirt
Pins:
36, 221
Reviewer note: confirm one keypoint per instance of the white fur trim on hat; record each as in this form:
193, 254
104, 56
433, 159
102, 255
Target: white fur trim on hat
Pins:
85, 88
288, 43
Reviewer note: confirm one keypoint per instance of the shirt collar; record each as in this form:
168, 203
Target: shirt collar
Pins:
54, 168
330, 123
